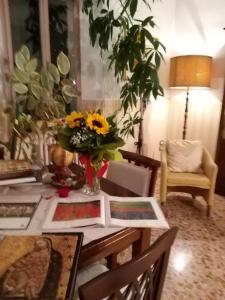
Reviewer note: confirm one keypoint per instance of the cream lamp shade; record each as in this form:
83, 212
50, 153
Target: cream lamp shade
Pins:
190, 71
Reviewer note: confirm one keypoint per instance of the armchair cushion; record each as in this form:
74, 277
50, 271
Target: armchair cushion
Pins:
184, 156
188, 179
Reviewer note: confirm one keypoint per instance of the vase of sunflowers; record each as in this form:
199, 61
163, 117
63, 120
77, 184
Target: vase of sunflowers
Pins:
96, 139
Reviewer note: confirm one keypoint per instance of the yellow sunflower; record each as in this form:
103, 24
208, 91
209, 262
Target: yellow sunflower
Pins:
98, 123
73, 120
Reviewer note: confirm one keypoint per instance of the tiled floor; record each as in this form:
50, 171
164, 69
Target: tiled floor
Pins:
197, 263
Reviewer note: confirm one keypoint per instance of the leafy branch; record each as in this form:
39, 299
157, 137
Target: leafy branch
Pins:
135, 54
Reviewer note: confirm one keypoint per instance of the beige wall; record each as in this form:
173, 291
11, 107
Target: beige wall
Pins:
188, 27
198, 30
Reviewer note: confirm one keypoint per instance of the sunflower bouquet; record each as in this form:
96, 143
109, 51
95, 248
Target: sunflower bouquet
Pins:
94, 137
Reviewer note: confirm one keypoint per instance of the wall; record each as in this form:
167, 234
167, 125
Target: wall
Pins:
198, 30
97, 82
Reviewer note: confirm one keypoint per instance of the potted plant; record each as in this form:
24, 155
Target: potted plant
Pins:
41, 97
135, 55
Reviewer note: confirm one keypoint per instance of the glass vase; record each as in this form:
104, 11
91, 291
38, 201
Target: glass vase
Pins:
91, 188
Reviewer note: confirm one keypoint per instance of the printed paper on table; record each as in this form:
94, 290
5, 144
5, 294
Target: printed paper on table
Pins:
107, 211
16, 212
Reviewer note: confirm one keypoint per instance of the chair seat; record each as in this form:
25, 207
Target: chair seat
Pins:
88, 273
188, 179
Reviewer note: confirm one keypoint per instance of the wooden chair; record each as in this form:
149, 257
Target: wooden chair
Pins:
139, 175
141, 278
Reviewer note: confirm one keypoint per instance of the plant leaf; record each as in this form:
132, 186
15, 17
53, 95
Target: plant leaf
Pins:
31, 65
37, 91
20, 88
25, 51
133, 7
21, 75
20, 61
69, 90
46, 80
63, 63
31, 103
54, 72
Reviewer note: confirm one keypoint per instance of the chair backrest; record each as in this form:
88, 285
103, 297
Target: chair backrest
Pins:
139, 175
141, 278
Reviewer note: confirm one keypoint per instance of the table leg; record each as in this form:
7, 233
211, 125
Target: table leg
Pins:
112, 261
143, 242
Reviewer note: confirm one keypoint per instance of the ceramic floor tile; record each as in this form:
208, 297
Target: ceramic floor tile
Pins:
196, 271
196, 268
197, 264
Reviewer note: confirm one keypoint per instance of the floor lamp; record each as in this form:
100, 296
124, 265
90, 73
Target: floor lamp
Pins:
190, 71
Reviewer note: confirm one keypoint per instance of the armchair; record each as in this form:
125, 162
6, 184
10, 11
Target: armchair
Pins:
196, 183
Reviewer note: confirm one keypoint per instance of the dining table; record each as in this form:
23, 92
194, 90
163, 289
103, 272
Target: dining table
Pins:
95, 242
98, 242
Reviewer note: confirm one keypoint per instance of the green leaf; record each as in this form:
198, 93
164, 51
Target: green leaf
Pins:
37, 91
20, 61
46, 80
113, 155
148, 20
20, 88
69, 90
21, 75
25, 51
133, 7
35, 76
67, 99
54, 72
31, 65
157, 60
59, 99
63, 63
31, 103
64, 142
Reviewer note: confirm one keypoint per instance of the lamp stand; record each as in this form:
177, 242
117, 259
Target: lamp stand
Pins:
186, 115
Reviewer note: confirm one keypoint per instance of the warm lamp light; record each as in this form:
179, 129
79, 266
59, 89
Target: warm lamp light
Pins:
190, 71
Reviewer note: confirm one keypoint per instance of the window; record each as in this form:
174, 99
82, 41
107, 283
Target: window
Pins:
46, 27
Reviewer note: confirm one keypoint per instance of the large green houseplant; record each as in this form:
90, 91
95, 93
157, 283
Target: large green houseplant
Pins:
41, 94
135, 54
